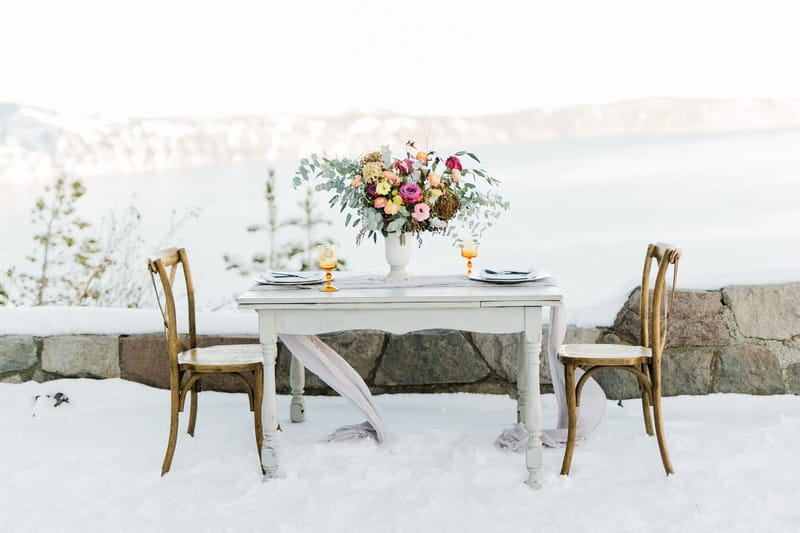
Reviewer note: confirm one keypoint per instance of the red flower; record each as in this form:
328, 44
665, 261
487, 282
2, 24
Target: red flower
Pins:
453, 163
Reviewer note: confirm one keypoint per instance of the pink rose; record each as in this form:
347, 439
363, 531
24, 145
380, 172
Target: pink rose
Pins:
404, 166
434, 179
421, 212
380, 202
356, 181
410, 192
391, 177
391, 208
456, 175
453, 163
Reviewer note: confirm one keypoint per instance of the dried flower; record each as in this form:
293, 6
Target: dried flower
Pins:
372, 157
447, 205
372, 171
404, 166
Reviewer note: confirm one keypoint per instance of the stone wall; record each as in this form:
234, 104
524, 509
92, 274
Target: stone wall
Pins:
738, 339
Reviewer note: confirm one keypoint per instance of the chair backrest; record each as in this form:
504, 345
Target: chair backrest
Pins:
164, 264
655, 306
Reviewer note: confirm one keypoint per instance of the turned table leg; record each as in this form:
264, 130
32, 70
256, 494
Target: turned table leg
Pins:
532, 402
522, 384
269, 411
297, 381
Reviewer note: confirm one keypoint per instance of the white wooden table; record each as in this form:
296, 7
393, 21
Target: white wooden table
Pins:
478, 307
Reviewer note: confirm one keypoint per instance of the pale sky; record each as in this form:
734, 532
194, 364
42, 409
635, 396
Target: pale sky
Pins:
423, 57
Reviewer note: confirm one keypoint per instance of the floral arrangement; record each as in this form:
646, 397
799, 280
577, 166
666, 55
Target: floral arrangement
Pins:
419, 192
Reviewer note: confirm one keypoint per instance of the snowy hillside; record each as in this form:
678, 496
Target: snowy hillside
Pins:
35, 143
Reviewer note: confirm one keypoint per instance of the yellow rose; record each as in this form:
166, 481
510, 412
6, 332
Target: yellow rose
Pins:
422, 157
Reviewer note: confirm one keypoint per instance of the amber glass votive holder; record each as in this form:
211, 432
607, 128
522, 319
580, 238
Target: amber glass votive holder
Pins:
327, 262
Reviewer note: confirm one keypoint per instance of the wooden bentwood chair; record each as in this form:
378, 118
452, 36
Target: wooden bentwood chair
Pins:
188, 364
643, 361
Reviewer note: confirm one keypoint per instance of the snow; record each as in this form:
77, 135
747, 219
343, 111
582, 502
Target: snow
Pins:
52, 320
93, 465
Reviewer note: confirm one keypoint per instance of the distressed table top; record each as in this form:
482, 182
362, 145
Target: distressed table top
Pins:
355, 289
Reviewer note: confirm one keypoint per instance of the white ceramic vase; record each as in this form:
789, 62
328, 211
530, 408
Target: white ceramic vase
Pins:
398, 255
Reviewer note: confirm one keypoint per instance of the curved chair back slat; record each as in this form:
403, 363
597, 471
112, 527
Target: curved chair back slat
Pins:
164, 264
655, 306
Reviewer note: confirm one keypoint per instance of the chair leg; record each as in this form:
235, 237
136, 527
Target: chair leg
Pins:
572, 412
173, 430
662, 441
648, 424
258, 395
193, 407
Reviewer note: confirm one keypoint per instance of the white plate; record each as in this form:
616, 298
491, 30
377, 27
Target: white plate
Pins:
534, 276
308, 278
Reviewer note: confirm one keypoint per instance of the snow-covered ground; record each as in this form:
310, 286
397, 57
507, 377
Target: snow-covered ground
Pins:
93, 465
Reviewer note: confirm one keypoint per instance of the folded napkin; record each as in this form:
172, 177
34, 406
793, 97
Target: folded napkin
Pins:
288, 277
510, 274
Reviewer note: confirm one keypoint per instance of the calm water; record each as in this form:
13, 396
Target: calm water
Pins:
582, 209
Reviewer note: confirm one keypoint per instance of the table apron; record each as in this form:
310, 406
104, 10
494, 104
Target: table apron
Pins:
311, 321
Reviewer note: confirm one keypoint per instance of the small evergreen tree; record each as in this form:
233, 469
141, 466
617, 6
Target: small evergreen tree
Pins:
309, 223
282, 256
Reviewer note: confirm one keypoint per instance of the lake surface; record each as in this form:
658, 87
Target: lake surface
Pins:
583, 209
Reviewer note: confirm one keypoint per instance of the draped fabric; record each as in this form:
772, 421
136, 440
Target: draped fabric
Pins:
331, 368
593, 399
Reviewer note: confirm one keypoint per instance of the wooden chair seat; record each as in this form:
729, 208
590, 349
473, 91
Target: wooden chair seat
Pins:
604, 354
226, 358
